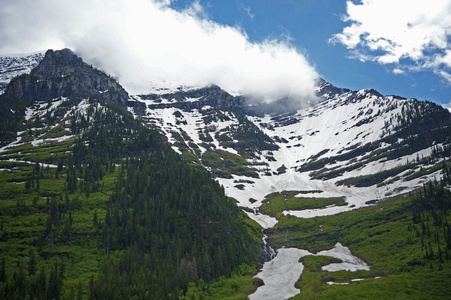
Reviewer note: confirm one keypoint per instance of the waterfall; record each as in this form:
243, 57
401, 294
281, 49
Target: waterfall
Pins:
268, 249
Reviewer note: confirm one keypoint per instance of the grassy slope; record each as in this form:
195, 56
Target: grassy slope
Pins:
24, 219
275, 203
386, 237
25, 211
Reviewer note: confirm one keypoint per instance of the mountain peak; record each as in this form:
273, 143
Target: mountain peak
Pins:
63, 73
58, 63
325, 88
65, 53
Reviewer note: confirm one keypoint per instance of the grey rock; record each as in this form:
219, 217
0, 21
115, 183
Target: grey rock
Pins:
64, 74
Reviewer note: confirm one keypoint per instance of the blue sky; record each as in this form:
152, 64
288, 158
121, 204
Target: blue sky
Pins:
266, 49
309, 25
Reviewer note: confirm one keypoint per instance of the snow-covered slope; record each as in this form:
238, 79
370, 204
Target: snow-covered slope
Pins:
50, 122
14, 65
325, 150
358, 146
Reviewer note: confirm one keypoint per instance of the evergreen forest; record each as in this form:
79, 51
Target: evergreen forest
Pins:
114, 214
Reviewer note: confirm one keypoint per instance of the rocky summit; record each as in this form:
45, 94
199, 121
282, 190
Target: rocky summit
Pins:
62, 73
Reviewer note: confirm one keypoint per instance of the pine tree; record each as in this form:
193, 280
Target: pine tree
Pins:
95, 220
3, 277
42, 285
32, 264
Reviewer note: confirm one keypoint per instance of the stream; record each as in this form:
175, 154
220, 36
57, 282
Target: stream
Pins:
267, 248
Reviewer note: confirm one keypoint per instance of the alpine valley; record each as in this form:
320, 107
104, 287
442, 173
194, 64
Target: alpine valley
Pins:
200, 194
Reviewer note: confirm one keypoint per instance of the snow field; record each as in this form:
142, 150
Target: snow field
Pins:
327, 125
281, 274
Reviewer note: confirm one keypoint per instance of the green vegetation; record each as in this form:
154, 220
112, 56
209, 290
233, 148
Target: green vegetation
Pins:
48, 153
190, 158
45, 228
406, 242
12, 110
274, 204
118, 215
281, 170
180, 228
423, 171
246, 138
373, 179
325, 173
236, 287
223, 164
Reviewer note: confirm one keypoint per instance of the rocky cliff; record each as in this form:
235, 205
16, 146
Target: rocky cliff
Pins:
62, 73
59, 74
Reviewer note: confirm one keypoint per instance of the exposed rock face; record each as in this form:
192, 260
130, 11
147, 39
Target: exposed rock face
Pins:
212, 95
62, 73
326, 89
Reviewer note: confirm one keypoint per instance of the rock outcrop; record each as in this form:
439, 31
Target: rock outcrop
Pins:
64, 74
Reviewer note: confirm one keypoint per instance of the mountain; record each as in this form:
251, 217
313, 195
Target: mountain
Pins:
356, 167
95, 204
59, 74
63, 74
359, 145
105, 194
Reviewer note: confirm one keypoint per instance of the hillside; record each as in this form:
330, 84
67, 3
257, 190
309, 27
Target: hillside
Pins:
357, 145
95, 205
400, 248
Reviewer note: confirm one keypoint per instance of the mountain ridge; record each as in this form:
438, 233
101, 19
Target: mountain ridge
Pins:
329, 146
60, 74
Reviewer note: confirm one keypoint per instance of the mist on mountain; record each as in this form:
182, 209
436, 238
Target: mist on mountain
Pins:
147, 44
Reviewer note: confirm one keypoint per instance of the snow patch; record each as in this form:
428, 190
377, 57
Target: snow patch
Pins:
350, 262
280, 275
265, 221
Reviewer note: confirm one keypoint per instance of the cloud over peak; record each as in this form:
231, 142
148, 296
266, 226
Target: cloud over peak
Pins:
147, 43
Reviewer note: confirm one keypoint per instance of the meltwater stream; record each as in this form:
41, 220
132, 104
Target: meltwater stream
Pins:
267, 248
283, 270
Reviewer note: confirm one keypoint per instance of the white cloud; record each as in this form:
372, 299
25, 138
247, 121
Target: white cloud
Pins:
445, 75
414, 32
247, 10
447, 106
398, 71
147, 43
